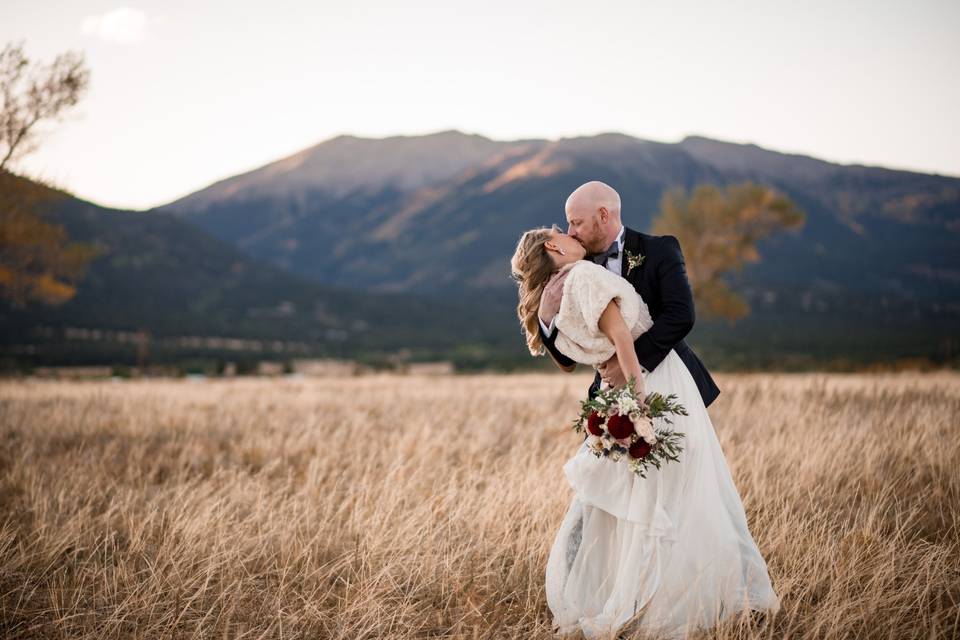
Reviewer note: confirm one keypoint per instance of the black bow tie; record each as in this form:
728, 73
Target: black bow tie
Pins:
612, 252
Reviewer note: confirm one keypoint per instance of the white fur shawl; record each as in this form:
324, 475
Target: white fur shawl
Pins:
586, 292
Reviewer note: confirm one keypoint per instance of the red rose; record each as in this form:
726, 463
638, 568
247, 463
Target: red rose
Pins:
640, 449
594, 423
619, 426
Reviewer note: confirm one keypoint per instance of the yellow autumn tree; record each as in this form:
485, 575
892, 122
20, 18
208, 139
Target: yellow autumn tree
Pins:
37, 260
38, 263
718, 229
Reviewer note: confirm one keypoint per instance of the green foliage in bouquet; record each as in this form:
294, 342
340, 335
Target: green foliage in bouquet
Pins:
622, 426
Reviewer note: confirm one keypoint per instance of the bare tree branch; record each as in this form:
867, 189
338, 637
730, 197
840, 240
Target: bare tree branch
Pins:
34, 94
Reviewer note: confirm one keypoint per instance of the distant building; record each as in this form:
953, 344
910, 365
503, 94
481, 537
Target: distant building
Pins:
442, 368
324, 367
267, 368
73, 372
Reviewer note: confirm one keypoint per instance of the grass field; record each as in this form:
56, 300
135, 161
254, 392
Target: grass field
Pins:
394, 507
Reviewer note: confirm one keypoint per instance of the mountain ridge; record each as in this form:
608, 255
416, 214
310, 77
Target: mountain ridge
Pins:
690, 143
523, 176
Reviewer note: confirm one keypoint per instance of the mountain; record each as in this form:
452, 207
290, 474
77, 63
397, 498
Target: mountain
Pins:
193, 293
370, 222
346, 164
877, 263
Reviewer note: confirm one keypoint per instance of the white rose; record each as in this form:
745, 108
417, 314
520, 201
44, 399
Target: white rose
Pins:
644, 427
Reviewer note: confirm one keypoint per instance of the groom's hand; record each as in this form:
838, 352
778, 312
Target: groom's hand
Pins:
611, 373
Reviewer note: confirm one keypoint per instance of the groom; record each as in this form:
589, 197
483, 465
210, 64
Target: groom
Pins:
654, 267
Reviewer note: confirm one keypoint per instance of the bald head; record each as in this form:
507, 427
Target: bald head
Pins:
591, 196
593, 215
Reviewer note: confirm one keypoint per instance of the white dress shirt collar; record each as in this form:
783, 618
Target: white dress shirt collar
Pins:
620, 237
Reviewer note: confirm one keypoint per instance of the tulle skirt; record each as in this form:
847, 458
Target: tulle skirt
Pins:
668, 554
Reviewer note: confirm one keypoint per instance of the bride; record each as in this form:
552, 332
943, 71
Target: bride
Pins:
665, 555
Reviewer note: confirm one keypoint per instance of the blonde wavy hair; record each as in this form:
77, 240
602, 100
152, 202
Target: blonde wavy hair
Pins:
531, 266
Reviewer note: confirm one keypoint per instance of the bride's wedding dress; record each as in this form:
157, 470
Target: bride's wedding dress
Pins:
670, 553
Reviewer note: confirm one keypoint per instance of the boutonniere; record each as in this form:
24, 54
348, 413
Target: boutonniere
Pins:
634, 261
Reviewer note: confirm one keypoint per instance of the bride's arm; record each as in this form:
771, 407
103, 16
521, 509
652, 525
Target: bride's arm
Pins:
613, 326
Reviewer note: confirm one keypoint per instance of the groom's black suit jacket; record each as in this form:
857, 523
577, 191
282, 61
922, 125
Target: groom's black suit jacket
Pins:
661, 280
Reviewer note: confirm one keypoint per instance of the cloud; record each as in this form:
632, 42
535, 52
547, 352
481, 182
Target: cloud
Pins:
123, 25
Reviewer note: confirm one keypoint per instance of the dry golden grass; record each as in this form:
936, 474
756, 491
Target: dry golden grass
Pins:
383, 507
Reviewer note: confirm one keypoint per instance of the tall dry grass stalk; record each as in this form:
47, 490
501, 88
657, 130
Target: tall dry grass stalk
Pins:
384, 507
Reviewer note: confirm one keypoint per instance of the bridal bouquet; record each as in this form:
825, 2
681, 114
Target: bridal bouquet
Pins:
620, 426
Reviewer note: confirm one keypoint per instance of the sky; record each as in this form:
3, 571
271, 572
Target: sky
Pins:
183, 94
